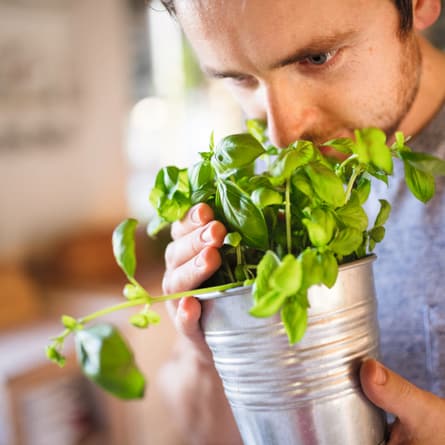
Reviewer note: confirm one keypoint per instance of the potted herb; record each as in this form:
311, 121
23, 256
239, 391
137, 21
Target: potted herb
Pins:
299, 243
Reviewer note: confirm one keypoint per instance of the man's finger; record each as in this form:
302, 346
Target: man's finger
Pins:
188, 246
197, 216
192, 273
416, 409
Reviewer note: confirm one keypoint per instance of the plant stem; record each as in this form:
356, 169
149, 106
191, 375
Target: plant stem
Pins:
288, 217
150, 300
355, 172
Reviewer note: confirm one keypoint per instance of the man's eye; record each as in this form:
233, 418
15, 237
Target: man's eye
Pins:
320, 59
243, 81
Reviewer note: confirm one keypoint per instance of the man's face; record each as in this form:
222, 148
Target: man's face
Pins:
314, 69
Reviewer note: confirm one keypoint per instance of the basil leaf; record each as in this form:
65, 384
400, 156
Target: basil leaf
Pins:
201, 178
124, 246
242, 215
232, 239
383, 215
363, 189
268, 304
330, 268
320, 226
294, 317
234, 152
312, 268
352, 213
377, 234
346, 241
420, 183
264, 197
170, 195
302, 183
289, 159
257, 128
424, 162
326, 184
343, 145
287, 277
266, 266
105, 359
156, 224
371, 146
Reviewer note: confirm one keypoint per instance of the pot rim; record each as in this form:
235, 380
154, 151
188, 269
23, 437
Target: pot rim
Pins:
242, 290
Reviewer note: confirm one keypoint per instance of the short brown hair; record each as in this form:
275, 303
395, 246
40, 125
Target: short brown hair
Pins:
403, 6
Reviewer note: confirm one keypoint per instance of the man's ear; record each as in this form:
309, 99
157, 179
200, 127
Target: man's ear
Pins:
425, 13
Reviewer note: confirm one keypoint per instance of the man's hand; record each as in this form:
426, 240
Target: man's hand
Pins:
191, 258
189, 380
420, 414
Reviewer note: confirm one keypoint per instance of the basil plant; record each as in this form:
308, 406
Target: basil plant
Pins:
293, 215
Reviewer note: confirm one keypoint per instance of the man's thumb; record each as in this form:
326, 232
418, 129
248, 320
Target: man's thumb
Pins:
396, 395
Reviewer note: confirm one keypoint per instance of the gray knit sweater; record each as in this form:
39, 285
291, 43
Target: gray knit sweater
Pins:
410, 275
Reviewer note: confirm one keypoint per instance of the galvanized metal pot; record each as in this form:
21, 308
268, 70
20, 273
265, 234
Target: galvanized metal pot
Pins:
308, 393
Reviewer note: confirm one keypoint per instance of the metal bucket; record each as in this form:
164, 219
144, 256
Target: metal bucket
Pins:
308, 393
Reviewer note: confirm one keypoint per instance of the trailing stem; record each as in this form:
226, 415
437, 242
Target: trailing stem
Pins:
288, 217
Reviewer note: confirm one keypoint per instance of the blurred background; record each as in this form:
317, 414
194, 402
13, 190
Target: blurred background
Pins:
95, 96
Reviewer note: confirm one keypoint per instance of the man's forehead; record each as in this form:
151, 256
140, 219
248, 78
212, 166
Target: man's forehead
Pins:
262, 32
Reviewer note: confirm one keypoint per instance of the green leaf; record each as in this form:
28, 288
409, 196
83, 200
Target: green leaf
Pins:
326, 184
420, 184
124, 246
320, 225
70, 322
153, 317
371, 146
383, 215
139, 321
155, 225
294, 317
242, 215
235, 152
302, 183
201, 178
268, 304
363, 189
53, 354
424, 162
313, 272
291, 158
377, 234
352, 213
257, 128
330, 268
232, 239
264, 197
269, 262
105, 359
170, 195
287, 277
346, 241
343, 145
133, 291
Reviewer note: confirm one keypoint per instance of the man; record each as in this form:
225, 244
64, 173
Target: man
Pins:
317, 70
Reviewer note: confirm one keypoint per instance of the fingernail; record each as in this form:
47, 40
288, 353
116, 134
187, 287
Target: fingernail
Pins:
194, 216
381, 376
199, 261
206, 235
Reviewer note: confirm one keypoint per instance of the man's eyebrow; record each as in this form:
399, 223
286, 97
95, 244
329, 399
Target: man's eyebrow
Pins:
317, 46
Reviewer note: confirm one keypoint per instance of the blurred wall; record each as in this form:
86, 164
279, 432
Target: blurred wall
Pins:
63, 103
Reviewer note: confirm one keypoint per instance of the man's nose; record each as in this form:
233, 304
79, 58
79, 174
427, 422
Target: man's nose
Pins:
290, 115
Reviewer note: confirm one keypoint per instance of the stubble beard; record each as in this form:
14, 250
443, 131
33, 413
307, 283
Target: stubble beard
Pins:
410, 75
